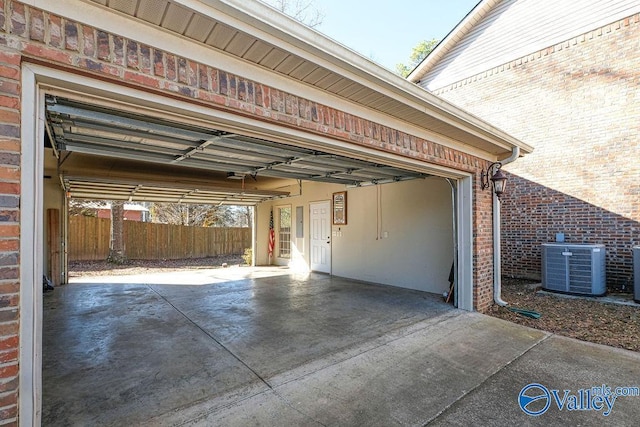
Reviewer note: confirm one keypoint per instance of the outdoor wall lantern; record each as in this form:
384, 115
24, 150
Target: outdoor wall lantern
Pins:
497, 178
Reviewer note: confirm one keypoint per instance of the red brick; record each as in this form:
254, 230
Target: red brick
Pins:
8, 259
9, 145
259, 96
9, 131
9, 386
88, 41
2, 15
90, 64
45, 52
159, 68
192, 76
144, 62
8, 413
18, 19
9, 315
10, 58
55, 31
215, 80
103, 46
223, 79
9, 87
8, 288
9, 400
132, 54
9, 244
9, 273
142, 79
9, 230
8, 371
72, 41
8, 116
182, 71
36, 27
9, 343
10, 174
118, 50
172, 73
9, 72
9, 355
203, 77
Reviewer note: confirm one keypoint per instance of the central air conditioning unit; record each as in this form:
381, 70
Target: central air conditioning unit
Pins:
574, 269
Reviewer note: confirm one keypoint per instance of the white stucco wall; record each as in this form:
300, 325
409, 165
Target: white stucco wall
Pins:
398, 234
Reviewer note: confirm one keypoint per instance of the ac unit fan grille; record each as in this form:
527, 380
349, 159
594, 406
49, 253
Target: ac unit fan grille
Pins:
576, 269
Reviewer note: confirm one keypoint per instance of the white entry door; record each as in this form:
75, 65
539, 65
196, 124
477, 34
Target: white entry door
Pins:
320, 237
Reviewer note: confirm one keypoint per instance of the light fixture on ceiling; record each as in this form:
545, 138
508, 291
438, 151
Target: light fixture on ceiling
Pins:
495, 175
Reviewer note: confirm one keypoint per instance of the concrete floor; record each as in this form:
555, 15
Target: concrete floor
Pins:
266, 347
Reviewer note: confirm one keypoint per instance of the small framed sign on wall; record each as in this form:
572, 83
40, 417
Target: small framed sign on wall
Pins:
340, 208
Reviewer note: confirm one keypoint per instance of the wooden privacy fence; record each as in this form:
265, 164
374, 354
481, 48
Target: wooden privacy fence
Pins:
89, 240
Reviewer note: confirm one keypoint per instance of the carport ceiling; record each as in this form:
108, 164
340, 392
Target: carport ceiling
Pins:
78, 127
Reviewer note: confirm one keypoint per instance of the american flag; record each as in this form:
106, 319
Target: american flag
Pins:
272, 235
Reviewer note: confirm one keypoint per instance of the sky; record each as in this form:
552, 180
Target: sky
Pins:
387, 30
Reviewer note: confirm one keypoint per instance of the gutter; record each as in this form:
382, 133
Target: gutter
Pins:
497, 267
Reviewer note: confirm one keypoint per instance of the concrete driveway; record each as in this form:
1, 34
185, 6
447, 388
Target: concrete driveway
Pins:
266, 347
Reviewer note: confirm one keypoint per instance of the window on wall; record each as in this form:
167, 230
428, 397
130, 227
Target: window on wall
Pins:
284, 232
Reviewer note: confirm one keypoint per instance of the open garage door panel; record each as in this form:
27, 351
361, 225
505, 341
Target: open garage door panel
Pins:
95, 188
238, 169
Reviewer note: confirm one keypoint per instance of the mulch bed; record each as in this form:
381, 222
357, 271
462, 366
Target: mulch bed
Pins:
584, 319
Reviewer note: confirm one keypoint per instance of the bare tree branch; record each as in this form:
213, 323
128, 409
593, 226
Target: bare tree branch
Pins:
195, 215
304, 11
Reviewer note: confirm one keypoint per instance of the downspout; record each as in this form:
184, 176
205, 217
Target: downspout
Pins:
497, 268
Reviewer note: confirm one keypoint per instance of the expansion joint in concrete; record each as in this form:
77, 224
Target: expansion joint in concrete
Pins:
489, 377
265, 382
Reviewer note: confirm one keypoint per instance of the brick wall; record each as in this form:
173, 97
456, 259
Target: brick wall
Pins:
31, 35
578, 104
9, 228
483, 246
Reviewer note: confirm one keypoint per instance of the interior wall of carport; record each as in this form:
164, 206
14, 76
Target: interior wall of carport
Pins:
28, 38
398, 234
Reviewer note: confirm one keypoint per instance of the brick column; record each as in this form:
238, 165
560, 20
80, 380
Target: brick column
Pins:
482, 246
9, 226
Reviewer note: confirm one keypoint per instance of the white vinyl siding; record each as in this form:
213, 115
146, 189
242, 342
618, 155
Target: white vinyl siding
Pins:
516, 28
